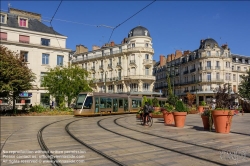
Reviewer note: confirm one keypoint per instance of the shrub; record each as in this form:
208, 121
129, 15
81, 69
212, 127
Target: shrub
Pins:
180, 106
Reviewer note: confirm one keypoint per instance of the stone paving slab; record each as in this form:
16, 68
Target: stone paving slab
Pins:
184, 146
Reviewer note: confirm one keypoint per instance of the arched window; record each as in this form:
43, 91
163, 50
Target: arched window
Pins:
133, 87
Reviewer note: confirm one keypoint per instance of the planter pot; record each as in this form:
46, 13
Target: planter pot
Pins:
206, 124
222, 120
179, 118
200, 109
168, 118
157, 109
157, 116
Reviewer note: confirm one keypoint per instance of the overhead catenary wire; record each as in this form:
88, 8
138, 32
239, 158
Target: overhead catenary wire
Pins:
52, 25
130, 18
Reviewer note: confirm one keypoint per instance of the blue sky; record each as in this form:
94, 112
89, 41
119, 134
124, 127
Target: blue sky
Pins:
172, 25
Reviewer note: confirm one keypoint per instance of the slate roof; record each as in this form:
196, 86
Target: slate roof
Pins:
33, 25
139, 31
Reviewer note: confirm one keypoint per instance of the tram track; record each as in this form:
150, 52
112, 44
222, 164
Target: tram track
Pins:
91, 147
167, 138
43, 146
156, 145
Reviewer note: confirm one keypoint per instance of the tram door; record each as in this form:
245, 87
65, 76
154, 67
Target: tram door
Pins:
115, 105
97, 104
125, 105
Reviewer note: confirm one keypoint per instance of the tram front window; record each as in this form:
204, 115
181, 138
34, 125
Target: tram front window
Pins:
80, 100
88, 102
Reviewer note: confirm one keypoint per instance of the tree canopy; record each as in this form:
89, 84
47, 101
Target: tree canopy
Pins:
65, 83
244, 87
15, 76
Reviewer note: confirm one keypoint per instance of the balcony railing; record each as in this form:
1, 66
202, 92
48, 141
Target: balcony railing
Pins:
93, 68
132, 61
109, 65
3, 38
185, 72
134, 90
119, 63
192, 70
101, 67
119, 90
147, 61
185, 91
217, 67
208, 68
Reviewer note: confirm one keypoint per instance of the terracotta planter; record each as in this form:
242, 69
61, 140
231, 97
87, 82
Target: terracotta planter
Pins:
179, 118
168, 118
222, 120
206, 124
200, 109
157, 109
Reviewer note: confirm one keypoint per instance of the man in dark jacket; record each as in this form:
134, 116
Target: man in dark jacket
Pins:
145, 112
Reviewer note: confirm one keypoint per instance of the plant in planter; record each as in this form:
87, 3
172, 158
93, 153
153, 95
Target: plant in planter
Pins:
201, 106
207, 120
222, 115
180, 114
156, 104
167, 114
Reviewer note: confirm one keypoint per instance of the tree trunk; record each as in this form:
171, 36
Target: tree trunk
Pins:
14, 104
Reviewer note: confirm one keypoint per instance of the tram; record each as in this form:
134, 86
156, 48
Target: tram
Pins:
94, 103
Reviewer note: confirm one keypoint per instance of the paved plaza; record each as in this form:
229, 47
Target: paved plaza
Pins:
122, 138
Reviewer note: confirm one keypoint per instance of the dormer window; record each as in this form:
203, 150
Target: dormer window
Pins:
23, 22
45, 42
3, 18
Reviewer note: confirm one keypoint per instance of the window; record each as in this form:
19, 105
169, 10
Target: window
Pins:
228, 64
59, 60
45, 59
111, 51
217, 76
119, 88
132, 71
3, 36
146, 71
146, 56
24, 56
234, 77
133, 87
208, 53
209, 76
111, 88
145, 87
238, 68
133, 45
119, 74
3, 19
209, 64
93, 75
44, 99
146, 45
88, 102
24, 39
120, 49
23, 22
45, 42
217, 53
41, 78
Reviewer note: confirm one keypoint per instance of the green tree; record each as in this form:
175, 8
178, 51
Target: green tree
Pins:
65, 83
244, 87
15, 76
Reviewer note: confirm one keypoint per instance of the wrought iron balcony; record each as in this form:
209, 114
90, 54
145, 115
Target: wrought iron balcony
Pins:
192, 70
217, 67
119, 64
185, 72
101, 67
185, 91
132, 61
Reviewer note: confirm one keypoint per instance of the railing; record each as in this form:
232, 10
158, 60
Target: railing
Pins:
101, 67
119, 63
217, 67
133, 77
192, 90
185, 72
3, 38
110, 65
119, 90
147, 61
211, 80
110, 91
208, 68
134, 90
185, 91
114, 52
132, 61
93, 68
192, 70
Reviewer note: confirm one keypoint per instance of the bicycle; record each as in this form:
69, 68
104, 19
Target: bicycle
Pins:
149, 120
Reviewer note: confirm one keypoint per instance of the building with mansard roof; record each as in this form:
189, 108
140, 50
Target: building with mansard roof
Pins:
121, 68
201, 71
40, 46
